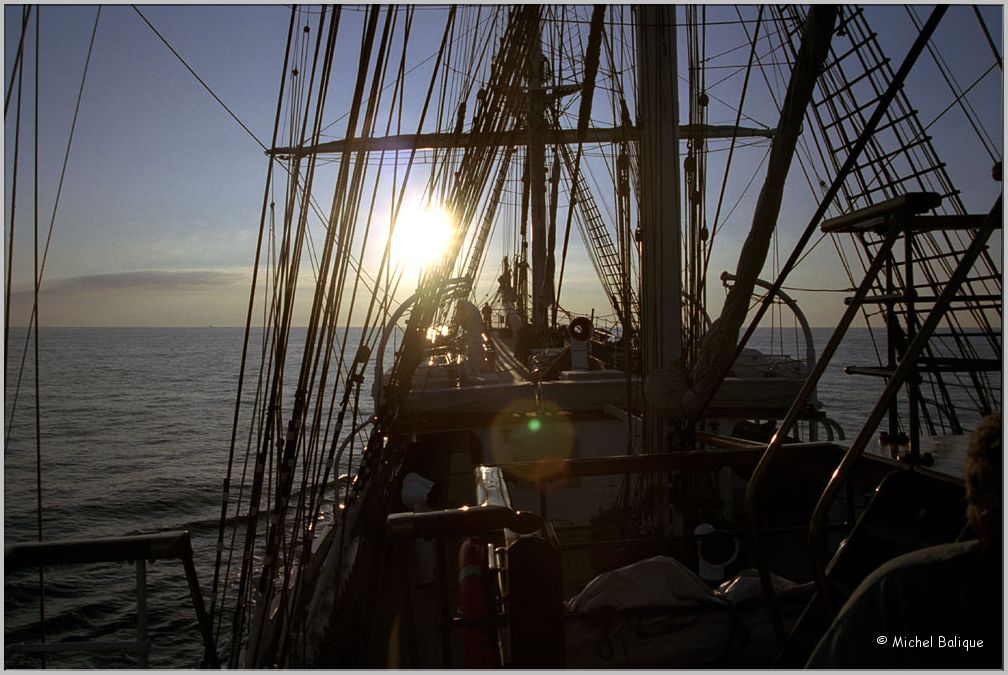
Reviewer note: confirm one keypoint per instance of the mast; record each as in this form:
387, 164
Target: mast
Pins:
685, 394
542, 288
658, 124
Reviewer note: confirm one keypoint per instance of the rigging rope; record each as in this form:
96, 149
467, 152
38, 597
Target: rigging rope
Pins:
990, 40
19, 74
933, 251
584, 119
959, 95
285, 463
38, 412
869, 128
468, 194
40, 268
199, 79
734, 138
272, 412
248, 328
16, 69
959, 101
337, 288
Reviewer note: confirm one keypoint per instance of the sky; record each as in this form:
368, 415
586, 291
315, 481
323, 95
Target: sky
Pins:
160, 206
156, 215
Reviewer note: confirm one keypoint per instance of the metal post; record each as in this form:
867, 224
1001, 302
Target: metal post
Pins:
891, 356
141, 596
210, 659
445, 602
913, 382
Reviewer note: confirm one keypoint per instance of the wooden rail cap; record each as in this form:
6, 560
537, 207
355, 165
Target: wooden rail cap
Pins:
467, 520
161, 546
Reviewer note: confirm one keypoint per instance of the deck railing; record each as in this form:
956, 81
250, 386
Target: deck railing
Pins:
139, 548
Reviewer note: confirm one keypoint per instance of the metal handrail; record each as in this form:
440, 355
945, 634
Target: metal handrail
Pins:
899, 211
906, 366
810, 355
139, 548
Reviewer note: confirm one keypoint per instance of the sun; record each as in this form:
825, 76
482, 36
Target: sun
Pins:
422, 237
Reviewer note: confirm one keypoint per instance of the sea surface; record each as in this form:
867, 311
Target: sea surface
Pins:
135, 430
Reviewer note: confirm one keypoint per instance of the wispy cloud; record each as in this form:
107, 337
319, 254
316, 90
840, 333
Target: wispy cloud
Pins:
161, 280
145, 298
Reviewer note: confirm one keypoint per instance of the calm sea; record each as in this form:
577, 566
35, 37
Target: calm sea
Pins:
135, 429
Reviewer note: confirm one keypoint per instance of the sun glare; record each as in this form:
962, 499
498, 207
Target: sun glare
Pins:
422, 237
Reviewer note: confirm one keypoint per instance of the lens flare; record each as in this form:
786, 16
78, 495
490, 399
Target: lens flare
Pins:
521, 433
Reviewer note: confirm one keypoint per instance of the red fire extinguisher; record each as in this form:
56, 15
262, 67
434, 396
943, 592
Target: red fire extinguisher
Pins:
479, 642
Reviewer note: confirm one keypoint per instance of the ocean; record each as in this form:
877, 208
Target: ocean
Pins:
135, 430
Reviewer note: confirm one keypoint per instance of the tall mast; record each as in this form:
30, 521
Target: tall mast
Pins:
658, 125
542, 288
